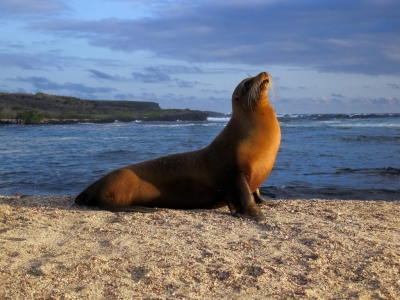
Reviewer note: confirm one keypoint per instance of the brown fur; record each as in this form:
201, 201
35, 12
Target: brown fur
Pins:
229, 171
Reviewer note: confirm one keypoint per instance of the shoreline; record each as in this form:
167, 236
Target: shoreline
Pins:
107, 120
304, 249
192, 116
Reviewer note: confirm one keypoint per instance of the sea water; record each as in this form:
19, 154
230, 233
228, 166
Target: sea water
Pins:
321, 156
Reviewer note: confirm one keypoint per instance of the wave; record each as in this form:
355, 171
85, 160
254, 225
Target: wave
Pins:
341, 121
386, 171
169, 124
214, 119
367, 125
364, 138
329, 193
120, 153
338, 116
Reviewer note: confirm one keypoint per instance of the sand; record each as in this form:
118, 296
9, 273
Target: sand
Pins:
306, 249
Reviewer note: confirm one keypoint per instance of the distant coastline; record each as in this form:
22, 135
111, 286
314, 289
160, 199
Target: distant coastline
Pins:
40, 108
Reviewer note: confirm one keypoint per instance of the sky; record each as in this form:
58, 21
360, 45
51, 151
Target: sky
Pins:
324, 56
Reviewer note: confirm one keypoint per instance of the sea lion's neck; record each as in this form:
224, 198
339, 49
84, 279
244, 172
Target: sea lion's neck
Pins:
228, 138
245, 125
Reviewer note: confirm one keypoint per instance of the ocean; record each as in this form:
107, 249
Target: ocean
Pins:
321, 156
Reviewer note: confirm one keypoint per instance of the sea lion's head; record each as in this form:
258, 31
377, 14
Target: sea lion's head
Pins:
251, 92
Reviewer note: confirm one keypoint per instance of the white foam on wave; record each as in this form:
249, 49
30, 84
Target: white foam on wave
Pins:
170, 124
213, 119
367, 125
290, 115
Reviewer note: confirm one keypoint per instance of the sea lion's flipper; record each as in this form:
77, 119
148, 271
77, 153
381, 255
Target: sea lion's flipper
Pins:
218, 205
120, 208
260, 200
85, 198
80, 199
241, 200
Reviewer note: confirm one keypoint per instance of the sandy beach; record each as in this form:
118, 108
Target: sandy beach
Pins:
306, 249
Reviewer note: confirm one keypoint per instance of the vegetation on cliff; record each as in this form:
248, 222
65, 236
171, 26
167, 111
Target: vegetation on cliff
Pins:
31, 117
44, 108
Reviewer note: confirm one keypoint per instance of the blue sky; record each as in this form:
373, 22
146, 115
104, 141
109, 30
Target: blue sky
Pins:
324, 56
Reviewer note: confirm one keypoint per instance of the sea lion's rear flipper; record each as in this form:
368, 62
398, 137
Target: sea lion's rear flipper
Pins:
261, 201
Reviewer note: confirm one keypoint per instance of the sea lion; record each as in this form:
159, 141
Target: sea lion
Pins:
228, 171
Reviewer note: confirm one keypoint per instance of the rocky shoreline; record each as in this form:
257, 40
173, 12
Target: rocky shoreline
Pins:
194, 117
313, 249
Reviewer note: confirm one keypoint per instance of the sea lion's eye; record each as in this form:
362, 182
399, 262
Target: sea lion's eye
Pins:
236, 98
246, 86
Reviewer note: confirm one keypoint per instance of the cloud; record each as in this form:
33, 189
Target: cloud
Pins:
44, 84
159, 74
27, 61
5, 88
104, 76
380, 101
16, 46
101, 75
12, 8
340, 36
337, 95
394, 86
124, 96
177, 69
49, 60
151, 75
215, 91
285, 88
337, 105
184, 84
170, 100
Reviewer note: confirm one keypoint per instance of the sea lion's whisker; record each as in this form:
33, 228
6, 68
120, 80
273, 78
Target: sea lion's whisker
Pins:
255, 92
250, 99
271, 87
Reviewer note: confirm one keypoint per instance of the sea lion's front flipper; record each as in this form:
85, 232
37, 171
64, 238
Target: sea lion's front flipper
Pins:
261, 201
241, 200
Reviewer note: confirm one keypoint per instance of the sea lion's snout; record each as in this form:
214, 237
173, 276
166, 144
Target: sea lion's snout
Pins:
264, 78
264, 81
257, 86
